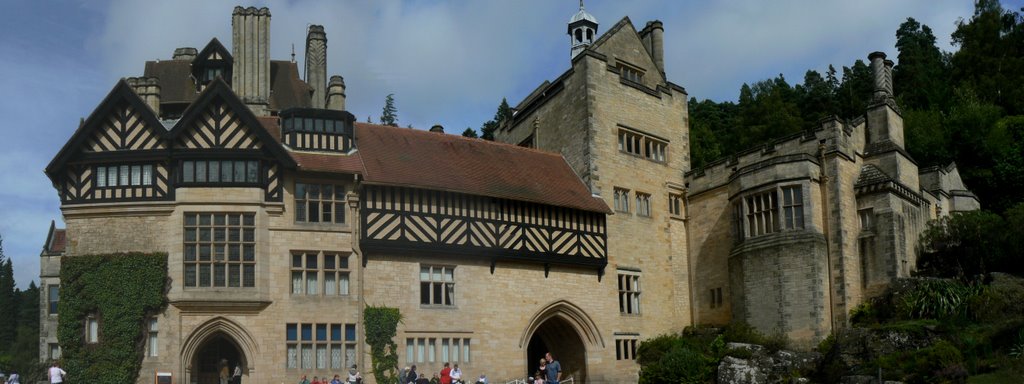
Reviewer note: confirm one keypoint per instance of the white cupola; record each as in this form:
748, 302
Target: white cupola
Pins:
582, 30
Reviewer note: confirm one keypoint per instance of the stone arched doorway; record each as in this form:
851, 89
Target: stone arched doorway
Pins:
567, 332
218, 351
217, 343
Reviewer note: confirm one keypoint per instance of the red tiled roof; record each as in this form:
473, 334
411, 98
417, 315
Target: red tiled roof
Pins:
328, 162
430, 160
59, 241
272, 125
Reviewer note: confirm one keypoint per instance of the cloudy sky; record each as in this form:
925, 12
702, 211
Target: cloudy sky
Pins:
447, 62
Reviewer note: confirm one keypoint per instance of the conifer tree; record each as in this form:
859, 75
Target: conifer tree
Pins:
470, 132
8, 305
389, 116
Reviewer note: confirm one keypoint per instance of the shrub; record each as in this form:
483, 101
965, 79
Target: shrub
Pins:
939, 299
689, 358
741, 332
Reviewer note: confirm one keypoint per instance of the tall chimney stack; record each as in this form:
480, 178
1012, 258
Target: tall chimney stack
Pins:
316, 64
336, 93
250, 48
882, 74
658, 45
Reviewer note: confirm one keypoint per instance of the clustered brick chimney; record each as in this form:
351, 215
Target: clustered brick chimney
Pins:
185, 53
148, 89
882, 69
250, 74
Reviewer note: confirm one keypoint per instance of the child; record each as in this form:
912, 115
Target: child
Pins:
537, 378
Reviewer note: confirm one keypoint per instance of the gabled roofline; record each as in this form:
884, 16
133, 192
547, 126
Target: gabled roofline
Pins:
219, 88
121, 91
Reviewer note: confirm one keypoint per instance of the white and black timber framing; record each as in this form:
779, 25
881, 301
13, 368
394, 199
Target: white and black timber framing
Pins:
399, 220
312, 129
123, 130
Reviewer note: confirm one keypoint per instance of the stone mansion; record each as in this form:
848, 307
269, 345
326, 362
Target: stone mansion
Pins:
283, 217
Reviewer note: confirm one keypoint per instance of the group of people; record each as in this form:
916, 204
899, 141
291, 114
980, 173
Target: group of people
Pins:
229, 377
54, 375
354, 377
550, 371
448, 375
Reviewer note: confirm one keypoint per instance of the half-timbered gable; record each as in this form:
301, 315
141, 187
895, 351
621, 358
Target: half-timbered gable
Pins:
448, 195
219, 142
118, 153
212, 62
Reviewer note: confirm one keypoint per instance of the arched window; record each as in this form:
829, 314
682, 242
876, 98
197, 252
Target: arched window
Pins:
590, 34
579, 35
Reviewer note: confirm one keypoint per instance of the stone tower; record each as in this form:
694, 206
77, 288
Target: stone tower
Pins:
250, 45
582, 30
316, 64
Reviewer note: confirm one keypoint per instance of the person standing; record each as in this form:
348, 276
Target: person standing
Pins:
446, 374
224, 373
14, 378
554, 369
456, 375
55, 374
412, 376
354, 376
236, 378
303, 380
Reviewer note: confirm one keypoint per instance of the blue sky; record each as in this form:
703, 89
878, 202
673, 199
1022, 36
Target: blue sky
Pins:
447, 62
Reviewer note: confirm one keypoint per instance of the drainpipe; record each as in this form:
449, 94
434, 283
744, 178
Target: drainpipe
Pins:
823, 186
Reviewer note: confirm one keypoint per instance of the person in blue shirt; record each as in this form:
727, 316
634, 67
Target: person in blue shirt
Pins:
554, 369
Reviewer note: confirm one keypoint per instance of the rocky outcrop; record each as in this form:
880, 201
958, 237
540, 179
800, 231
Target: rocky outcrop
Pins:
763, 366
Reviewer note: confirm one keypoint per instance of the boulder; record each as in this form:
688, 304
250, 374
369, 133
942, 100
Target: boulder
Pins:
740, 371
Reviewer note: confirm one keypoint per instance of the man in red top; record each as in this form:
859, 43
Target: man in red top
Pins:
446, 374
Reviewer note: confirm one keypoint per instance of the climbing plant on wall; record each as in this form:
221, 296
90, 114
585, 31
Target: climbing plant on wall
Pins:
381, 328
120, 291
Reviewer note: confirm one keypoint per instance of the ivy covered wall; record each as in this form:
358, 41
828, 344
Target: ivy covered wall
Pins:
120, 291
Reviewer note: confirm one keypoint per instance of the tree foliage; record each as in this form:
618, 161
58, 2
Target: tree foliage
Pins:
121, 291
8, 303
470, 133
965, 245
504, 113
381, 328
389, 116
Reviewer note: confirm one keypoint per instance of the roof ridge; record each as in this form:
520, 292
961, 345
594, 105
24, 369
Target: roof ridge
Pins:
468, 139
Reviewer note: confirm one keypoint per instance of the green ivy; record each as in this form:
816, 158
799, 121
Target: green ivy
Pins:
381, 327
122, 291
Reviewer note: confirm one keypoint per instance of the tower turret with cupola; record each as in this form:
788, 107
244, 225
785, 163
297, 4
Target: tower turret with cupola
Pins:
582, 30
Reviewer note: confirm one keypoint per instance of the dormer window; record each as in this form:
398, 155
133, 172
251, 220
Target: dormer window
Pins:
317, 129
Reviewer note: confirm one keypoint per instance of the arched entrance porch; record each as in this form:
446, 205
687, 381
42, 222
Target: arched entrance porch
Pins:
567, 332
217, 343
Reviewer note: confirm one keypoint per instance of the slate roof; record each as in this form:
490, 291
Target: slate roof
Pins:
430, 160
870, 174
287, 90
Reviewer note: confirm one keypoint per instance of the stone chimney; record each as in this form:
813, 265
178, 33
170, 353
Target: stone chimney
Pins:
316, 64
336, 93
185, 53
148, 89
654, 34
250, 48
882, 69
437, 128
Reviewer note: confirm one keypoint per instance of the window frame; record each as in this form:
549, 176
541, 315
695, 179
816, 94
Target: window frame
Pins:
337, 203
110, 176
342, 267
188, 172
245, 244
343, 337
620, 199
626, 346
92, 329
762, 212
630, 292
52, 305
152, 337
630, 72
446, 298
675, 204
643, 204
643, 145
438, 348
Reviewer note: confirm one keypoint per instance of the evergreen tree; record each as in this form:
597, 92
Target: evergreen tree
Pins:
8, 304
920, 80
470, 132
815, 99
991, 55
854, 92
389, 116
504, 113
